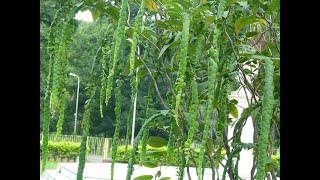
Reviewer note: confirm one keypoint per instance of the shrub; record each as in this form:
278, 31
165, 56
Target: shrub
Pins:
274, 164
155, 156
63, 149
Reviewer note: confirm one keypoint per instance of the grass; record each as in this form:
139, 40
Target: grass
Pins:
51, 165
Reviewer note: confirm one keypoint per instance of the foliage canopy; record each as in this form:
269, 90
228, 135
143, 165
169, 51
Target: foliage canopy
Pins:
180, 61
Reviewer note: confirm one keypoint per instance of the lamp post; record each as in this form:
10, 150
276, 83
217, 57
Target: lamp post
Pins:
76, 113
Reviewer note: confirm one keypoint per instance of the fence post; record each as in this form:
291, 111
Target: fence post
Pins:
87, 143
105, 149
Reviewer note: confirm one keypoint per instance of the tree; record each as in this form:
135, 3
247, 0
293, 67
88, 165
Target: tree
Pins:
220, 46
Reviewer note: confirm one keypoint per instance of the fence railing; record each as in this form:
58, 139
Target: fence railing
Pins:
98, 146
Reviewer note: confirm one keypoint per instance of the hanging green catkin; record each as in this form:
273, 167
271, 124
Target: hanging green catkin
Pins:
213, 67
52, 50
138, 28
170, 145
182, 56
144, 142
45, 132
92, 88
83, 145
221, 123
134, 80
196, 60
136, 143
61, 62
194, 111
46, 101
182, 163
120, 33
145, 134
61, 115
104, 64
52, 35
234, 152
101, 99
116, 135
129, 126
267, 108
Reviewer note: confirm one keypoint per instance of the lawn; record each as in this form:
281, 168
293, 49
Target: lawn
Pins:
51, 164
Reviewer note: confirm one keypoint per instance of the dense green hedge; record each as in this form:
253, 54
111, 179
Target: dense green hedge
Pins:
274, 164
159, 155
70, 150
154, 155
63, 149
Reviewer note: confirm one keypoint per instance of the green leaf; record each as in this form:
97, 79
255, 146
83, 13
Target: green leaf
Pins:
208, 20
150, 163
156, 154
244, 4
230, 2
165, 178
221, 7
143, 177
95, 14
247, 71
142, 73
79, 4
241, 22
113, 12
233, 101
126, 69
137, 63
260, 57
174, 6
156, 141
203, 1
164, 112
274, 6
252, 33
158, 174
170, 24
233, 110
151, 5
129, 32
273, 48
246, 49
163, 49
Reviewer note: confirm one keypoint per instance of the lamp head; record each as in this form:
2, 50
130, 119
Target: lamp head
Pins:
71, 74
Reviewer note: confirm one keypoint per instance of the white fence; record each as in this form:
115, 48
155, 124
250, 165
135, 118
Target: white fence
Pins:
98, 146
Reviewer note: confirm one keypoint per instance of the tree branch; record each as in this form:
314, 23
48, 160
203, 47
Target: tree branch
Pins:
149, 41
155, 85
168, 79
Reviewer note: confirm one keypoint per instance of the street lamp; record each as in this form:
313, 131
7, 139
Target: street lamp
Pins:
75, 114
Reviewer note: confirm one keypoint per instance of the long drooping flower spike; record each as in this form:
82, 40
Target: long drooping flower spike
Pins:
212, 72
116, 136
119, 34
267, 110
182, 57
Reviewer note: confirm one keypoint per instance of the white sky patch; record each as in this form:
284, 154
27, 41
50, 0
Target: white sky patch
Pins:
84, 16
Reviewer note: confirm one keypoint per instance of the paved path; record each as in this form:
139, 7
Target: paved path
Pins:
102, 171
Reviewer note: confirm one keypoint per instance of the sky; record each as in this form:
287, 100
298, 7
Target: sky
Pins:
84, 16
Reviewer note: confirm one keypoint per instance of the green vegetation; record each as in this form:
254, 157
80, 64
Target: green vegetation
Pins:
267, 110
212, 78
51, 165
179, 61
115, 139
63, 149
155, 156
